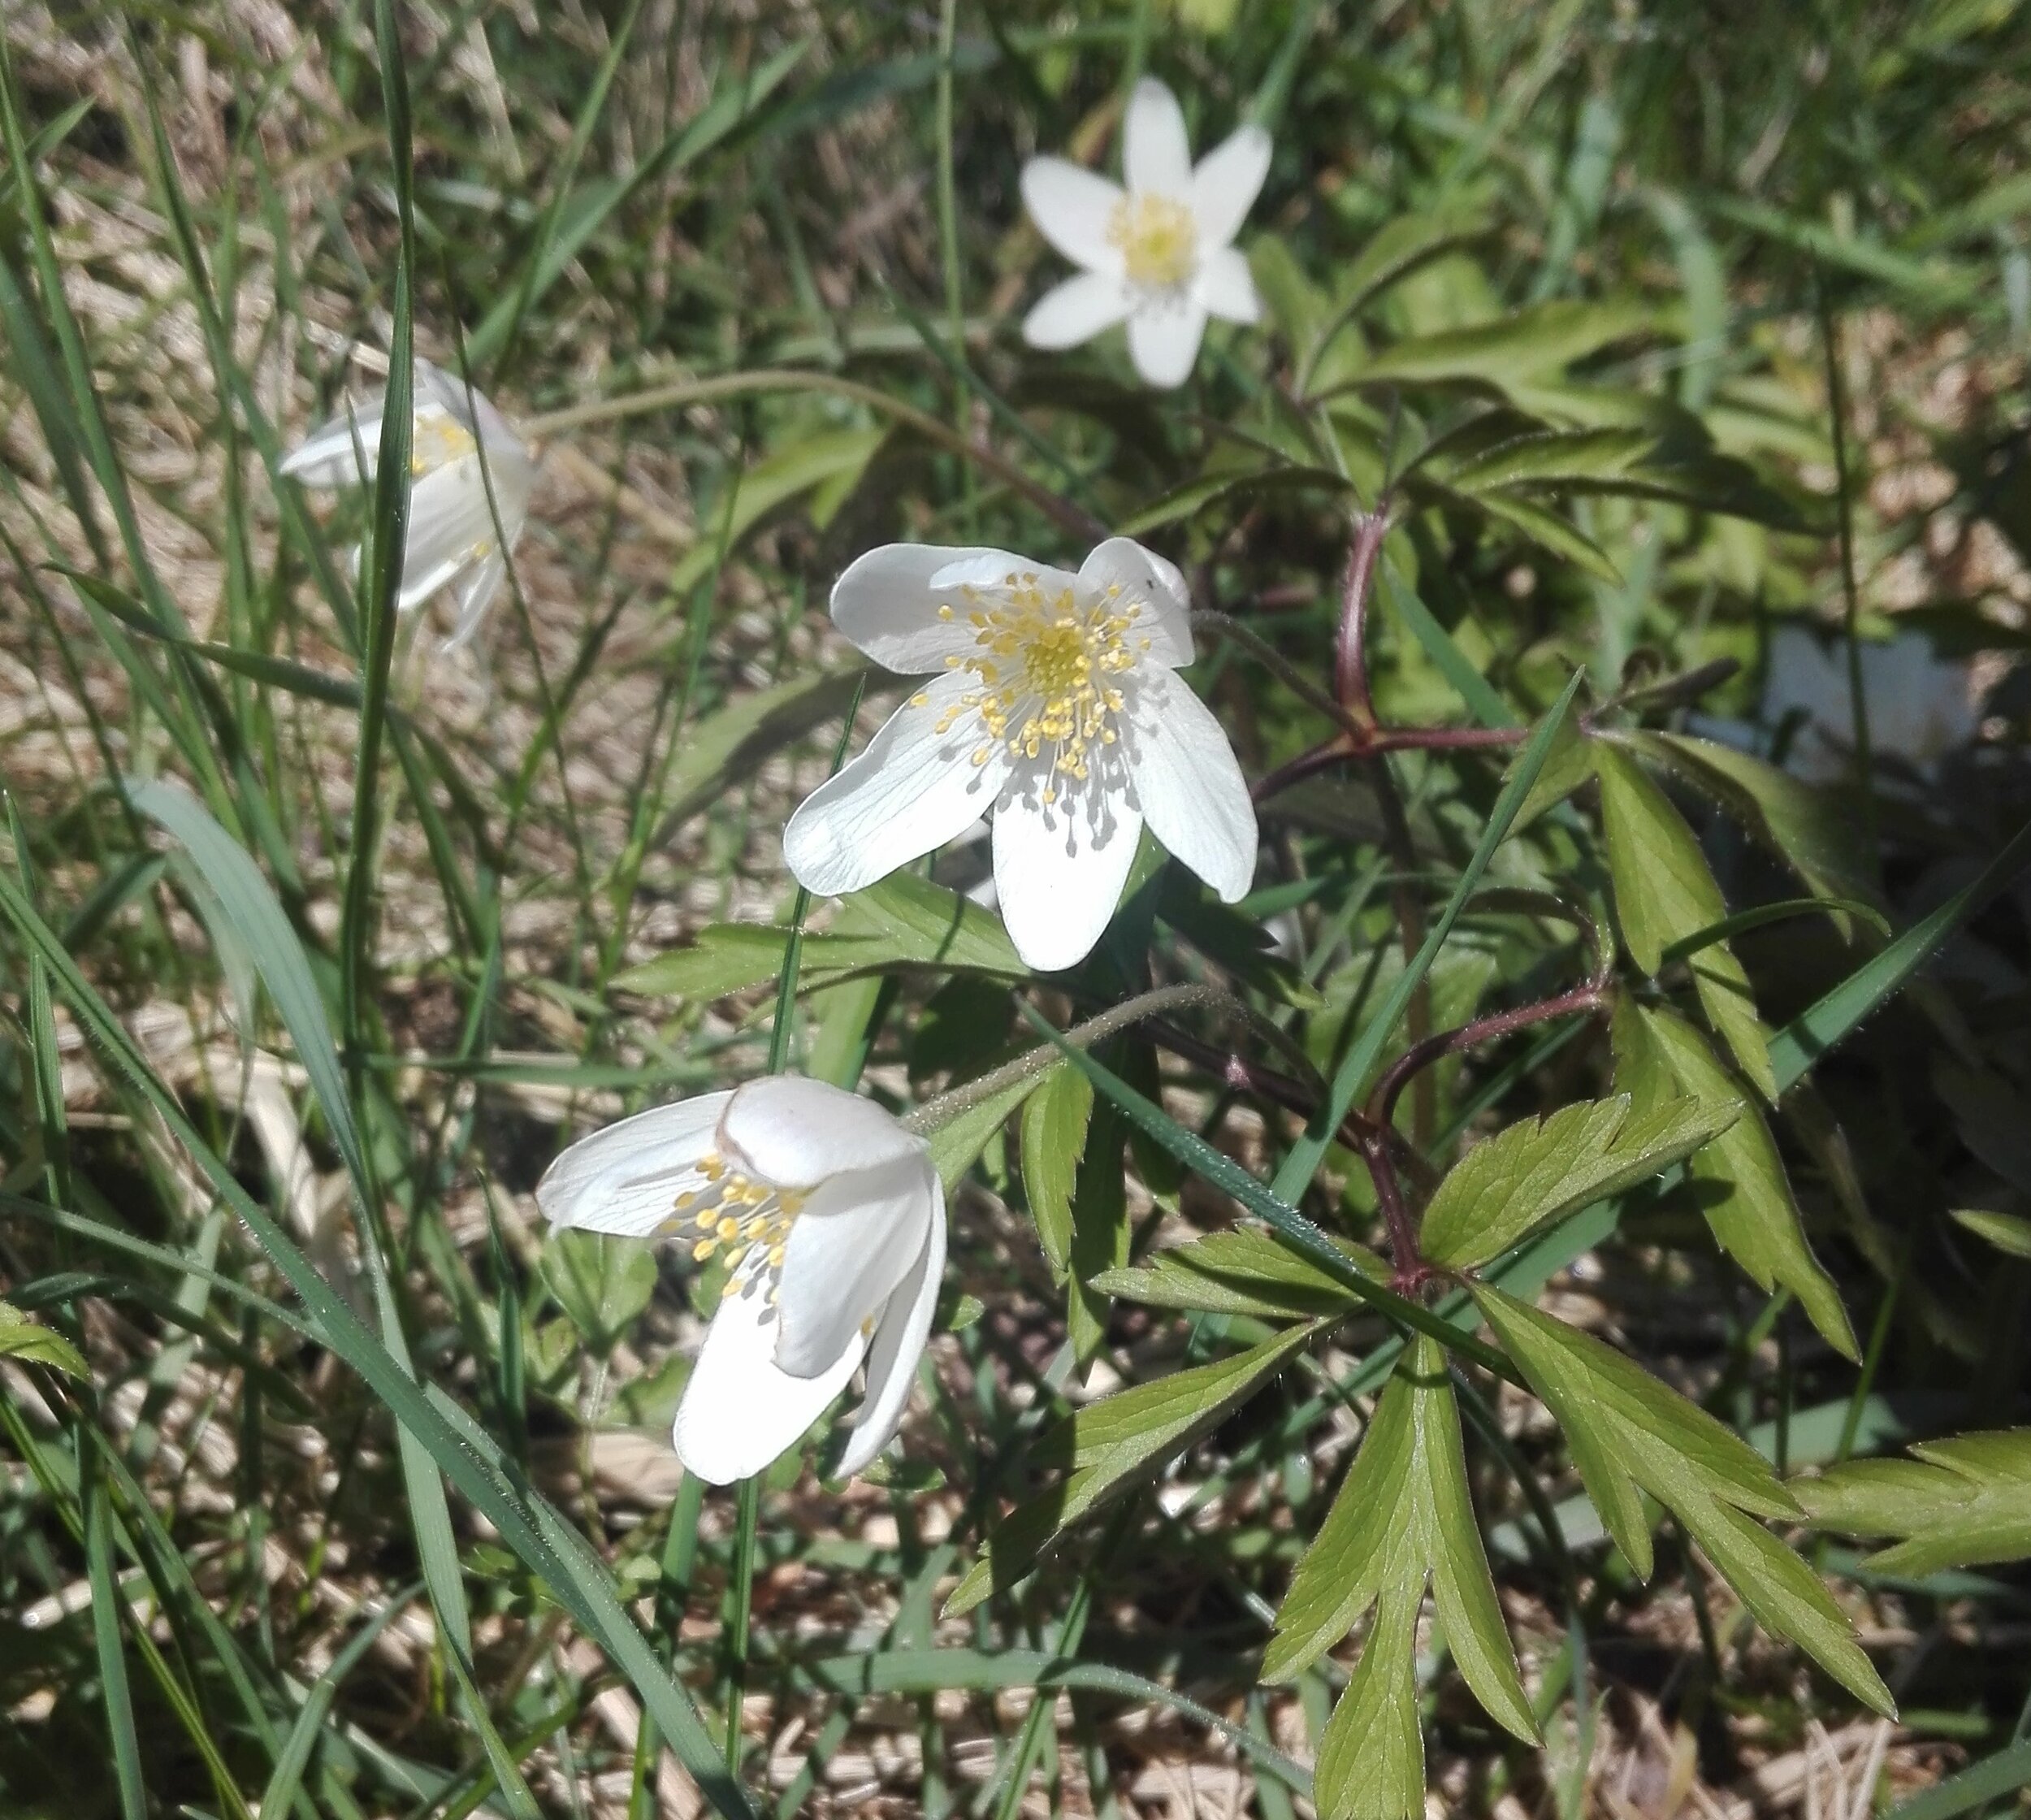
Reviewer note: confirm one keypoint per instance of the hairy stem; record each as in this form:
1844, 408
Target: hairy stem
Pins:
947, 1106
1350, 660
1421, 1055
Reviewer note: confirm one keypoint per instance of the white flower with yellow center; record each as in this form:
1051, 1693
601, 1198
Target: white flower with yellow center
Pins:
831, 1221
1158, 253
1058, 708
458, 443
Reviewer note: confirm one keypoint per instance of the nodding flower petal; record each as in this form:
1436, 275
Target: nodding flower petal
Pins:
898, 1343
855, 1241
800, 1133
626, 1178
741, 1410
823, 1209
471, 477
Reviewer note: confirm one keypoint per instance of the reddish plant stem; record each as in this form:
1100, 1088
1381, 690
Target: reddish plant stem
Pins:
1281, 1090
1350, 663
1379, 741
1412, 1273
1382, 1103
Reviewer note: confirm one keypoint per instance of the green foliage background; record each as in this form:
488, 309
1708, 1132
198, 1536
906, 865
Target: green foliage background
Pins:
331, 1487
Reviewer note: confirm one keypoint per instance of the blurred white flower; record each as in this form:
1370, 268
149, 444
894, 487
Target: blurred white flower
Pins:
832, 1220
1058, 708
451, 527
1159, 253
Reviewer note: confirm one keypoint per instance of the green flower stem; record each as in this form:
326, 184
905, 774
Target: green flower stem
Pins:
948, 1106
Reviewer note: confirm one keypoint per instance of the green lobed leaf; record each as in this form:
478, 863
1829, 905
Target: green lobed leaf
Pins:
1525, 343
1402, 1516
1055, 1120
1738, 1178
600, 1282
1665, 891
1628, 1433
35, 1344
1805, 827
957, 1143
1647, 1434
1550, 459
1244, 1271
905, 920
1105, 1444
1539, 1171
2007, 1231
1568, 766
1785, 1596
1962, 1503
1371, 1759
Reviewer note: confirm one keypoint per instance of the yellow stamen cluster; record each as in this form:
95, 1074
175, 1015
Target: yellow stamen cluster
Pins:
744, 1221
1045, 664
435, 440
1159, 239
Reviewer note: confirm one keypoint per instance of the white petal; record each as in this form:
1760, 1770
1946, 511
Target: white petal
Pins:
419, 585
898, 1343
796, 1132
741, 1410
449, 527
887, 601
1156, 156
1073, 209
1164, 340
1226, 182
626, 1178
1076, 310
1059, 871
854, 1242
1225, 288
913, 789
331, 457
475, 595
1191, 789
1145, 577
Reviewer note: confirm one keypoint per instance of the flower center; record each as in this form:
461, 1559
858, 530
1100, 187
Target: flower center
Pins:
741, 1219
1047, 665
436, 439
1157, 238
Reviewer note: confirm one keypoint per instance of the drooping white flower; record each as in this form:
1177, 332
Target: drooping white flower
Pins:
1058, 708
832, 1220
1158, 253
458, 443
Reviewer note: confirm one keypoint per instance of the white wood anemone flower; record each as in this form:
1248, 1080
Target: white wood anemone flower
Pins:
1157, 251
831, 1218
458, 442
1058, 709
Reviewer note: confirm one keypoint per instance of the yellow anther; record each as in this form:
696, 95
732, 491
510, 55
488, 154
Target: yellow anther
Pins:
1157, 238
727, 1227
702, 1251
